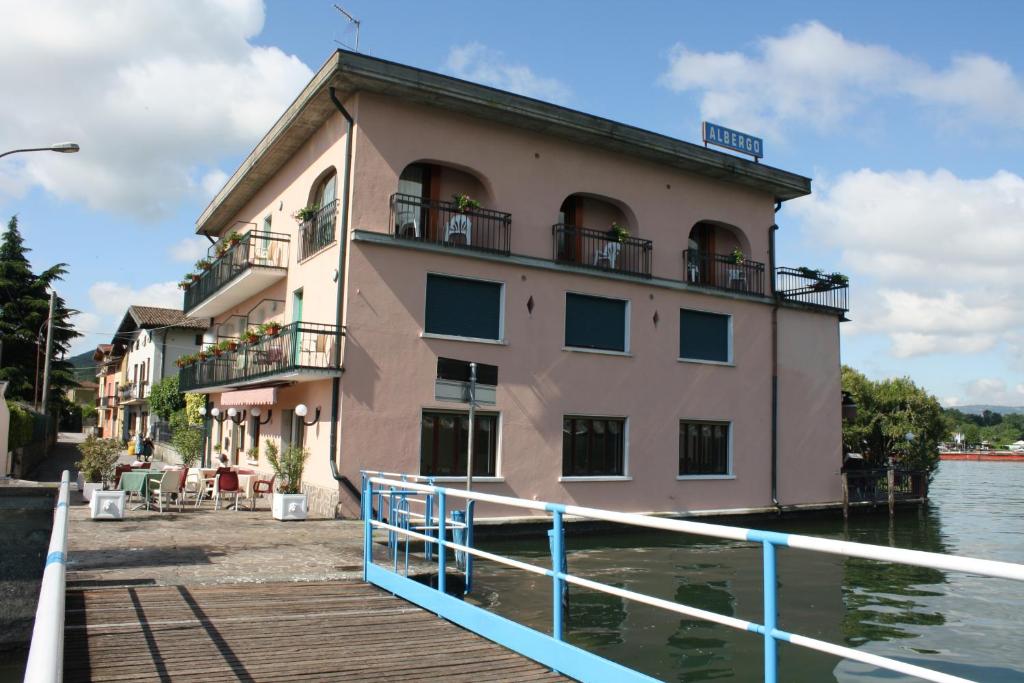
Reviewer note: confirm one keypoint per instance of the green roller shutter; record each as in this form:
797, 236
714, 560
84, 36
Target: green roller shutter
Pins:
703, 336
463, 308
593, 322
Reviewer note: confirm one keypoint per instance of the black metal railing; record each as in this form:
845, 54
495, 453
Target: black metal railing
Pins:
599, 249
298, 346
317, 233
723, 271
133, 391
106, 401
872, 485
257, 249
440, 222
812, 287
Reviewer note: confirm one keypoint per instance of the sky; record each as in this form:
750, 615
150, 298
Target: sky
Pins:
908, 116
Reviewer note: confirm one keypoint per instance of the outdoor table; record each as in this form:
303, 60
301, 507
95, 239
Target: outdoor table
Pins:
137, 481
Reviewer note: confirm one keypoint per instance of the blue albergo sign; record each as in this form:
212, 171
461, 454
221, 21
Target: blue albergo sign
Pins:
733, 139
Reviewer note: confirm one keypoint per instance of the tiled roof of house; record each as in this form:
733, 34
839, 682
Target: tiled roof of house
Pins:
151, 316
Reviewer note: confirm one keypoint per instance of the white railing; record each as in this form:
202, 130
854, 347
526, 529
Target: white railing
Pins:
404, 487
46, 654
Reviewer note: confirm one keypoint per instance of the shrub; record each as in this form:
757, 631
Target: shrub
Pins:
165, 399
288, 467
20, 434
187, 440
99, 456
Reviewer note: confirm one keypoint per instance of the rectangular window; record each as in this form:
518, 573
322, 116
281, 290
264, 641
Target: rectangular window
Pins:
594, 322
593, 446
463, 308
444, 444
703, 448
704, 336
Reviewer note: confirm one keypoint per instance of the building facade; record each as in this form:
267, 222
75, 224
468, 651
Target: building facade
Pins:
635, 345
108, 375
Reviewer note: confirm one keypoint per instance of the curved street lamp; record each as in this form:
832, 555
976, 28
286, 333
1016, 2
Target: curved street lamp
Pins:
62, 147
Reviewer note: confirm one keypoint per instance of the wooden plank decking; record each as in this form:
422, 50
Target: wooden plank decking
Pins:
274, 632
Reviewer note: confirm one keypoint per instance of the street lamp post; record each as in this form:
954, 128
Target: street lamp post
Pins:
62, 147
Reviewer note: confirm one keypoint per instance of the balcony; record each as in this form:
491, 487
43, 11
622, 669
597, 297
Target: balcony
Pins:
107, 402
317, 233
299, 352
244, 270
599, 250
813, 288
439, 222
132, 393
723, 271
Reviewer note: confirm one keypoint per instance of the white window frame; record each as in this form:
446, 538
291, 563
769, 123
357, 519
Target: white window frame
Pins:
454, 337
729, 471
573, 478
497, 478
729, 343
627, 317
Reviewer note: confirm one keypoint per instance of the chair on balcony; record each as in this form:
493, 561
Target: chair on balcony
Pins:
458, 225
607, 255
408, 225
737, 279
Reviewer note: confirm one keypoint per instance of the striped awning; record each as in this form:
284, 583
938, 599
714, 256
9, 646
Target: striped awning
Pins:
249, 397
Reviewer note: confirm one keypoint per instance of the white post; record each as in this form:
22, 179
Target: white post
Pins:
49, 352
472, 420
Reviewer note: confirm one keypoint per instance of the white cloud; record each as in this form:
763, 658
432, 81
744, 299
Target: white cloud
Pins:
993, 390
934, 259
189, 250
479, 63
213, 181
815, 76
113, 299
156, 94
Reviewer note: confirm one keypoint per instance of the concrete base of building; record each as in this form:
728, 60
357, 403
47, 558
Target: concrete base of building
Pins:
322, 500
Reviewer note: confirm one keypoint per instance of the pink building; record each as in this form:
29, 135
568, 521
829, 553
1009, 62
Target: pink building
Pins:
637, 346
108, 362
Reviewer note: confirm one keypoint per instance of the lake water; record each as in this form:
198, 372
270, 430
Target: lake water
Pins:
963, 625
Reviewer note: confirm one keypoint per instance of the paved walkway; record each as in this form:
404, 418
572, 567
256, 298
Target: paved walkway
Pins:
63, 457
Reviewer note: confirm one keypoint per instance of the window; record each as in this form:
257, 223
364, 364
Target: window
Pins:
444, 444
593, 447
705, 336
463, 308
199, 340
703, 448
594, 322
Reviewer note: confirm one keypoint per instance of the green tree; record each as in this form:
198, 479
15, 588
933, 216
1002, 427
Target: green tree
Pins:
193, 402
165, 399
24, 308
887, 411
187, 439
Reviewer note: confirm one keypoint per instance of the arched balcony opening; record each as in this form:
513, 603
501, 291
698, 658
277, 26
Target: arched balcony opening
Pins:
598, 232
448, 205
718, 255
318, 219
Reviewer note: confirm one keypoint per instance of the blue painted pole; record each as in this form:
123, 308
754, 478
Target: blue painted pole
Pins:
367, 527
441, 514
557, 540
428, 519
771, 660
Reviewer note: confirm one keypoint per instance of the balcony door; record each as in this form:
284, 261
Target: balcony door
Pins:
570, 214
702, 254
296, 339
422, 181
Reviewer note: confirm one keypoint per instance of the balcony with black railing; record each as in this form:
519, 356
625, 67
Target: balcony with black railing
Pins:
132, 393
299, 351
812, 287
723, 271
441, 222
318, 231
601, 250
107, 401
249, 266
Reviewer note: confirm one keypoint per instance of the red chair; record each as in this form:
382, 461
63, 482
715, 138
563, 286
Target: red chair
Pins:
225, 481
141, 466
262, 486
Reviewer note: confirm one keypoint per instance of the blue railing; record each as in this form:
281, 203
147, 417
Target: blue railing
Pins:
387, 505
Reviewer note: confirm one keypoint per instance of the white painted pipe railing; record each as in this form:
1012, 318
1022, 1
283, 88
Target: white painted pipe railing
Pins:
46, 654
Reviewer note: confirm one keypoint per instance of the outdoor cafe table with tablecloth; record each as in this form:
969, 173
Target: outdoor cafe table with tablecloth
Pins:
138, 481
246, 480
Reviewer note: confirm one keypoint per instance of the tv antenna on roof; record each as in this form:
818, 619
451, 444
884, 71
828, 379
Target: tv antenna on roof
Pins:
352, 20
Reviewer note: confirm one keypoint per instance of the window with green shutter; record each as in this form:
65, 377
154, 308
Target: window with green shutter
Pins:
595, 322
461, 307
704, 336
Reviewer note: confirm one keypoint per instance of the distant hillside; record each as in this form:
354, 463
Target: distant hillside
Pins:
85, 367
979, 408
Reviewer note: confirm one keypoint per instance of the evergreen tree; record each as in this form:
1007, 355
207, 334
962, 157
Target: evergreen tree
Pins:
24, 307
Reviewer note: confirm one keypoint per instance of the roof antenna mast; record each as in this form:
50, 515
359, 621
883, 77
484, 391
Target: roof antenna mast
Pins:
352, 20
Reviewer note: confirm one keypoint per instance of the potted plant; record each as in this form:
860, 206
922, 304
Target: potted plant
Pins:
737, 256
96, 464
253, 455
269, 329
618, 233
230, 345
306, 213
216, 349
289, 503
202, 355
463, 202
838, 279
809, 273
203, 264
234, 238
251, 335
186, 283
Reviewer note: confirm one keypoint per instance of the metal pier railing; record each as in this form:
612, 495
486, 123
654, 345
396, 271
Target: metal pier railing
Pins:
387, 507
46, 653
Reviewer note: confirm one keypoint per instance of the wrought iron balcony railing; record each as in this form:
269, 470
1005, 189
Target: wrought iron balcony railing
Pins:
723, 271
813, 288
317, 233
257, 249
133, 391
415, 218
107, 401
600, 250
298, 347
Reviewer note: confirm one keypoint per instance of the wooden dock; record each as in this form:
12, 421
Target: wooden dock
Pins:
274, 632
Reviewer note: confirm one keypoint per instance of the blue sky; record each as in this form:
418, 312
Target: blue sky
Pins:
909, 117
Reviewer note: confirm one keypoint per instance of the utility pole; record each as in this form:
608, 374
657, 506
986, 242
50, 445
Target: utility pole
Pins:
49, 351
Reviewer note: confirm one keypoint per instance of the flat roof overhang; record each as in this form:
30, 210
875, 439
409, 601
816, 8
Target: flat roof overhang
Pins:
283, 378
350, 72
242, 287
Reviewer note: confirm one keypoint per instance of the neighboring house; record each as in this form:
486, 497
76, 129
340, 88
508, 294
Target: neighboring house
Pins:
147, 343
617, 287
108, 363
84, 394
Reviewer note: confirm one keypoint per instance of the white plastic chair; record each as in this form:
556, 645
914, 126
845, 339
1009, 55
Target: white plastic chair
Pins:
459, 225
609, 254
407, 222
737, 279
170, 483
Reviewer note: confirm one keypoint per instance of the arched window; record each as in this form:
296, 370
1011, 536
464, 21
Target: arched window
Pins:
324, 190
319, 216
